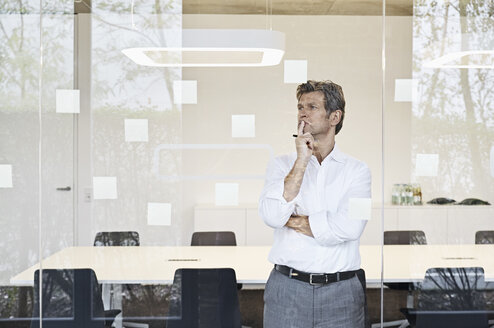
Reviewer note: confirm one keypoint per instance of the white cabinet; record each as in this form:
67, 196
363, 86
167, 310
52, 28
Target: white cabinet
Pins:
372, 232
463, 222
450, 224
257, 232
244, 221
433, 221
221, 219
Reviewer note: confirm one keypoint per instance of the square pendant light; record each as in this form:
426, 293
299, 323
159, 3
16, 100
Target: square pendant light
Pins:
215, 48
476, 59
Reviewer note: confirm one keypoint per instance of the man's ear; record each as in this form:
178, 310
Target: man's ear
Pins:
335, 117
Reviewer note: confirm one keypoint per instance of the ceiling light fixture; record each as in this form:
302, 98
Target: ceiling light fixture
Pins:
215, 48
477, 59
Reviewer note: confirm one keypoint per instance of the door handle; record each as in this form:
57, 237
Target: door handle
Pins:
64, 189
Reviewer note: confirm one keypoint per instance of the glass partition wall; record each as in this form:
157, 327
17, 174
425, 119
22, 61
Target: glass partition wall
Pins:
144, 132
438, 163
37, 148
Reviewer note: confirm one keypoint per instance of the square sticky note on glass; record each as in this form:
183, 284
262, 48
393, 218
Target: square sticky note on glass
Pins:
359, 208
6, 176
405, 90
426, 165
136, 130
105, 187
295, 71
184, 92
243, 126
68, 101
226, 194
159, 214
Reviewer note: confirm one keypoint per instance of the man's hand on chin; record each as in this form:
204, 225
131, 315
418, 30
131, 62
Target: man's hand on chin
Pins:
300, 223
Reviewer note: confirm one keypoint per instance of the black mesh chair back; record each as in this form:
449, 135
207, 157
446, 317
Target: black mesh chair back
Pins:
71, 298
117, 238
213, 238
484, 237
404, 237
205, 298
452, 289
451, 297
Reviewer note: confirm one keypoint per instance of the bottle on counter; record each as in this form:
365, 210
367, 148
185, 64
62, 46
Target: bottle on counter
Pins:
406, 194
409, 190
395, 194
403, 194
417, 194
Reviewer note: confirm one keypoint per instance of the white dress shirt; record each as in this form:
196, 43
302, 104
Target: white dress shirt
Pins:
324, 196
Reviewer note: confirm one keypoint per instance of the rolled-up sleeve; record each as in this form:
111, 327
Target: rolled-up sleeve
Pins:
331, 228
273, 208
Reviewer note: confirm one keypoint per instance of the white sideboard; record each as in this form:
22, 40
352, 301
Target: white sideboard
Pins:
243, 220
442, 224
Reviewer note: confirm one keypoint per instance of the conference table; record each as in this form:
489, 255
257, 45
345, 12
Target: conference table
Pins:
157, 264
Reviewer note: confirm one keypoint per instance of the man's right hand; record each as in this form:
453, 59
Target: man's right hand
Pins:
304, 144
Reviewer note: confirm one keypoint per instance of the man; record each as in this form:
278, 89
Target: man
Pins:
316, 281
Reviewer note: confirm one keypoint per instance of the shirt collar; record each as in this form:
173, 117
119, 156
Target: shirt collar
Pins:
337, 155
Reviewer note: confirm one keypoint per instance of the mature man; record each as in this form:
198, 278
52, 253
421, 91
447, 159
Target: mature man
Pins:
316, 281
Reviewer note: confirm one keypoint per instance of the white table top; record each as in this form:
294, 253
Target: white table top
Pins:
157, 264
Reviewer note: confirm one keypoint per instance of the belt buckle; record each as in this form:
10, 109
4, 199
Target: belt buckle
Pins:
320, 283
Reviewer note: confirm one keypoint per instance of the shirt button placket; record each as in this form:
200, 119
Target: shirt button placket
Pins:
321, 178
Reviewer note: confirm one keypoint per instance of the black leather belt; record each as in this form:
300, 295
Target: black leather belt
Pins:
315, 278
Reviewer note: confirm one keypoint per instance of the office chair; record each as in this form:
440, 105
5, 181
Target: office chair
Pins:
205, 298
484, 237
124, 239
402, 237
450, 297
213, 238
70, 298
117, 238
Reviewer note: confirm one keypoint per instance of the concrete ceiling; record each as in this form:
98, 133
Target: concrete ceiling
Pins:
299, 7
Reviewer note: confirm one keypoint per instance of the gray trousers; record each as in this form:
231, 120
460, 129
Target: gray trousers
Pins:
290, 303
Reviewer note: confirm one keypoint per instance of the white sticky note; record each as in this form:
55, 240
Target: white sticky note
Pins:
68, 101
6, 176
406, 90
105, 187
295, 71
492, 161
136, 130
184, 92
426, 165
359, 208
160, 214
226, 194
243, 126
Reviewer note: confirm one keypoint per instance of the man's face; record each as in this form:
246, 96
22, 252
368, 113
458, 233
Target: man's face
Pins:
311, 110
